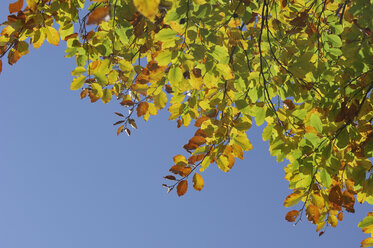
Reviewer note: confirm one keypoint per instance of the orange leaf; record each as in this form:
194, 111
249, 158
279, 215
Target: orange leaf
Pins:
182, 187
201, 133
340, 216
198, 140
120, 129
313, 213
198, 182
142, 108
15, 7
292, 215
98, 15
71, 36
180, 170
127, 103
84, 93
200, 120
190, 146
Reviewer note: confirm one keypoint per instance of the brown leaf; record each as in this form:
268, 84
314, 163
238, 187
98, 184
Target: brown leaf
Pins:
13, 57
313, 213
321, 233
98, 15
190, 146
118, 122
119, 114
284, 3
92, 96
197, 72
197, 140
180, 170
128, 132
84, 93
348, 200
168, 89
71, 36
15, 7
301, 20
200, 120
182, 187
335, 196
170, 177
120, 129
132, 123
1, 66
179, 123
292, 215
142, 108
201, 133
127, 103
289, 104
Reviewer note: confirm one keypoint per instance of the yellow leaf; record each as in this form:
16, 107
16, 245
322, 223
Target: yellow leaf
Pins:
292, 199
333, 221
106, 96
223, 163
368, 242
180, 160
77, 83
160, 100
52, 35
32, 4
198, 182
38, 38
148, 8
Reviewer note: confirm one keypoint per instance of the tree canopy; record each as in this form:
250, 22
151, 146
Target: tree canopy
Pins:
302, 68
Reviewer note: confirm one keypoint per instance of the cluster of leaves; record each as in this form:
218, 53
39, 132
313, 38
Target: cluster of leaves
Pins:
305, 68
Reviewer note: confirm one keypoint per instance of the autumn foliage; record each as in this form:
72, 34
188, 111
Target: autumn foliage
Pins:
302, 69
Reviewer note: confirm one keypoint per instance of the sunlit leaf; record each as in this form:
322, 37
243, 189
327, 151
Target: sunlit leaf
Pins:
182, 187
148, 8
198, 182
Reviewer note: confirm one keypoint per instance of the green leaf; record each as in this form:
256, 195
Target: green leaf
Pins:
316, 122
342, 139
325, 178
77, 83
106, 97
160, 100
78, 71
367, 221
335, 40
267, 132
165, 35
260, 115
175, 75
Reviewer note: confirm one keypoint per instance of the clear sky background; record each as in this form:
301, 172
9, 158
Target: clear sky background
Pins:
68, 181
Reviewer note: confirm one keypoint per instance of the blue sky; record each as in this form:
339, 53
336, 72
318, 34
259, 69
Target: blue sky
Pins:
67, 180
